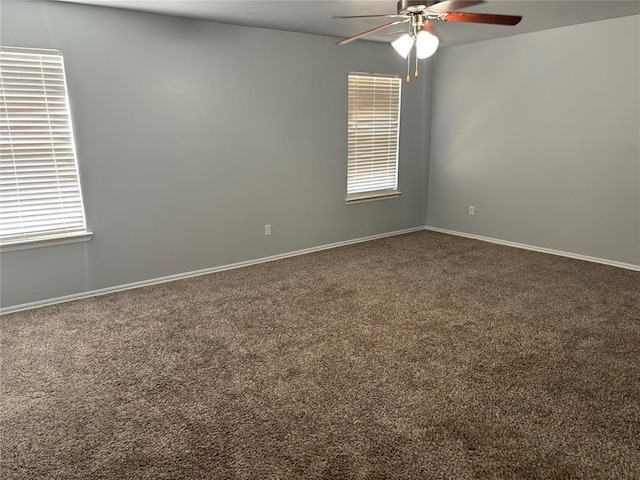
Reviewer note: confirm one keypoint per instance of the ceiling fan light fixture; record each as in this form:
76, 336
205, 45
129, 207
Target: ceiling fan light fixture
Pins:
426, 44
403, 45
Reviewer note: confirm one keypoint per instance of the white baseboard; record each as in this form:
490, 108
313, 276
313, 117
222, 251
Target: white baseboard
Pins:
196, 273
551, 251
206, 271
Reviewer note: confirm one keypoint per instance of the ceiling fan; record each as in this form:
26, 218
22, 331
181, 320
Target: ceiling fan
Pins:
421, 15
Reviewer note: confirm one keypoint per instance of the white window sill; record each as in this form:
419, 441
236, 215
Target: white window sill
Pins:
372, 196
44, 241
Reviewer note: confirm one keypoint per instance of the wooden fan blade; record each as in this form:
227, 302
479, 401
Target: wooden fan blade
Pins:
450, 5
362, 34
482, 18
390, 15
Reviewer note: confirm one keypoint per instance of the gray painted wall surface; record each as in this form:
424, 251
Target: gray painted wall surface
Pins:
192, 136
540, 132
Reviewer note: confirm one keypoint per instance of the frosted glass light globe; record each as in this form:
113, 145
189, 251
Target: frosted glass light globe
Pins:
403, 45
426, 44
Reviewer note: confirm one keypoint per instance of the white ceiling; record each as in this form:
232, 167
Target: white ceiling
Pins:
313, 16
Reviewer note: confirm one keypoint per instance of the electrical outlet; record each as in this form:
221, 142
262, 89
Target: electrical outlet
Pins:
472, 210
267, 230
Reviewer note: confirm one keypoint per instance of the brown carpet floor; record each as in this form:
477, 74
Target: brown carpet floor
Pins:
422, 356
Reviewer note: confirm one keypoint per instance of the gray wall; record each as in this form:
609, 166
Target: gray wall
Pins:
192, 136
540, 133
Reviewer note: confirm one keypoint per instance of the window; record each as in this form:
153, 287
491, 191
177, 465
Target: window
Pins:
40, 197
374, 126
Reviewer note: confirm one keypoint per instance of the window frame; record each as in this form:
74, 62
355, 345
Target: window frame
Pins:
48, 163
373, 194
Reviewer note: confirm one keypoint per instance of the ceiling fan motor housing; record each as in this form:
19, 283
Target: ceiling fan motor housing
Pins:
413, 7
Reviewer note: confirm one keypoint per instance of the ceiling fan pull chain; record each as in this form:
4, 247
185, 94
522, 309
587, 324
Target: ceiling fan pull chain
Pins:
408, 67
416, 72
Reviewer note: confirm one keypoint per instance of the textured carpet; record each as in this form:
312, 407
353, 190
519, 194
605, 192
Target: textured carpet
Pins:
414, 357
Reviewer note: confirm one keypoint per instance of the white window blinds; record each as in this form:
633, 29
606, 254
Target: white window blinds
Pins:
40, 195
374, 125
